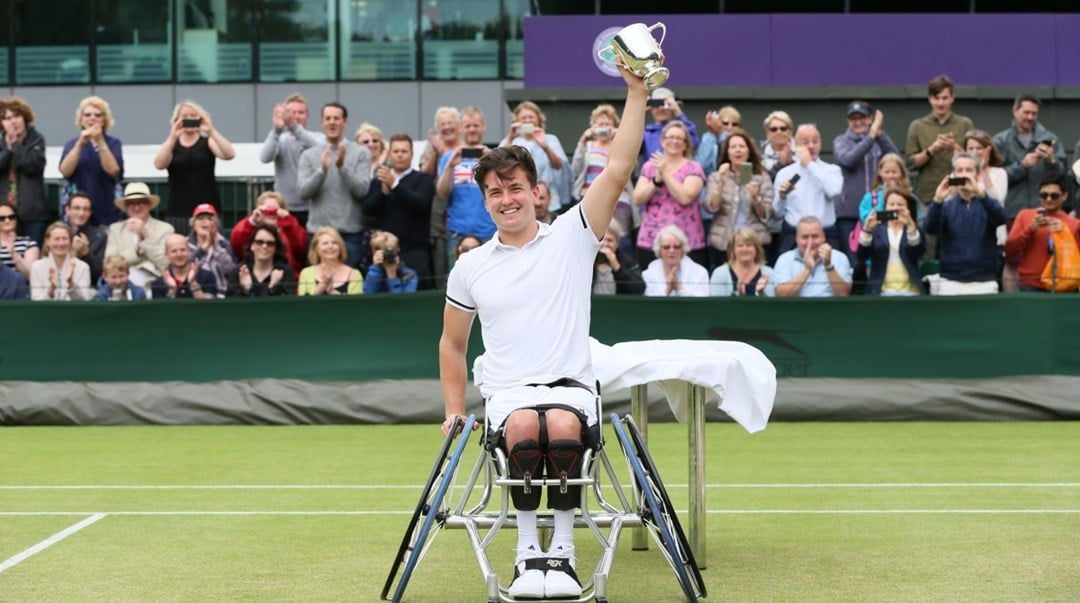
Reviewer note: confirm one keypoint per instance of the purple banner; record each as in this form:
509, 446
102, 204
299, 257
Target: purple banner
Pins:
820, 49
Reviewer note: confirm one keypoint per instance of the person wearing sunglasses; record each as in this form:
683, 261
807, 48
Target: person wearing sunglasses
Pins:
16, 252
270, 209
22, 166
719, 125
265, 271
93, 161
1031, 231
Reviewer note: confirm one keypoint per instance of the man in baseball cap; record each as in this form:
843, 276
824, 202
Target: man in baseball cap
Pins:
664, 107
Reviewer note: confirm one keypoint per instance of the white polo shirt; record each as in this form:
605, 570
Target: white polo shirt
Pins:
533, 304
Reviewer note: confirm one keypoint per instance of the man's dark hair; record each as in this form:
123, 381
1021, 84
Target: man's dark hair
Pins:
399, 137
78, 194
503, 161
1026, 98
940, 84
1055, 178
344, 111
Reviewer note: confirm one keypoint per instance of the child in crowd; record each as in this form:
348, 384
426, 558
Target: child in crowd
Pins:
116, 286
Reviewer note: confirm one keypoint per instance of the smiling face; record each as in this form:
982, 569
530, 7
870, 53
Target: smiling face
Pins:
372, 142
448, 126
205, 224
59, 241
890, 174
263, 246
117, 279
92, 115
859, 123
78, 211
510, 202
1051, 197
178, 252
328, 248
675, 142
1026, 115
978, 149
778, 133
671, 249
745, 251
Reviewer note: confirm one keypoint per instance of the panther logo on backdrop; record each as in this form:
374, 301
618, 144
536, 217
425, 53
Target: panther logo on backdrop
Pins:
790, 360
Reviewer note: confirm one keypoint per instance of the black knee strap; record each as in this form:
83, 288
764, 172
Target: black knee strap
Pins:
564, 460
524, 463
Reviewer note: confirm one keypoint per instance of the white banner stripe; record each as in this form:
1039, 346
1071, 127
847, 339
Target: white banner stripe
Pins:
48, 542
710, 511
418, 486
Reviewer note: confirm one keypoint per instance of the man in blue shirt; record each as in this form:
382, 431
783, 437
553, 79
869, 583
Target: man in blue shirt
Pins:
812, 269
466, 213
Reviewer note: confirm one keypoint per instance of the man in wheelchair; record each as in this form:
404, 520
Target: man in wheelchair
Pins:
531, 286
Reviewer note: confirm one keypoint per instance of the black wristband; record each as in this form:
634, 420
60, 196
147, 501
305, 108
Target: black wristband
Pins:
657, 182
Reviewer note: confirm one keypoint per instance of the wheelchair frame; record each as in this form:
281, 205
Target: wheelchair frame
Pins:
649, 507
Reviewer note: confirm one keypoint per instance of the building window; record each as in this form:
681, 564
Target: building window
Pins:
297, 41
378, 39
461, 39
131, 41
38, 57
215, 40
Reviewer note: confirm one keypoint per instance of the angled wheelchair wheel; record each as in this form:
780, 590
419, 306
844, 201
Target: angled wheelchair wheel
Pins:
658, 514
418, 535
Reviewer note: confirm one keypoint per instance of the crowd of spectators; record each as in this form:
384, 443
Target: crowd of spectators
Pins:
716, 211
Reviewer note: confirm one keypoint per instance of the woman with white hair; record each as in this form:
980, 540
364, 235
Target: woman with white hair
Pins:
189, 153
673, 273
93, 161
529, 130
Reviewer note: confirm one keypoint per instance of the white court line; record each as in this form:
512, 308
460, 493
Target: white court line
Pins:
710, 511
48, 542
416, 486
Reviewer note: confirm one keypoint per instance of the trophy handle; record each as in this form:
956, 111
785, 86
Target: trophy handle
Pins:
663, 33
600, 53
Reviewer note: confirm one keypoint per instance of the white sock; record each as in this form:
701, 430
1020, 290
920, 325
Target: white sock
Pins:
564, 529
527, 536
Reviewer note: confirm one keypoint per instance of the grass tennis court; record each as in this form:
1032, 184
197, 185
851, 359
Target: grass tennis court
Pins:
807, 512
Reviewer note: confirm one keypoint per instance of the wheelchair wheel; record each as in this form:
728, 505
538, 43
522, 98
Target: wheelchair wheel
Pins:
416, 540
658, 514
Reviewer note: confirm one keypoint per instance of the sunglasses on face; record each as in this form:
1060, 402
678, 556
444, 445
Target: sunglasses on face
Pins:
728, 124
263, 243
8, 218
1050, 196
778, 128
92, 114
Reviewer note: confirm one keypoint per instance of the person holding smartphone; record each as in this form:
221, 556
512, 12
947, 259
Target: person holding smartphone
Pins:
529, 130
456, 186
967, 218
739, 194
590, 157
1031, 153
664, 108
893, 244
189, 153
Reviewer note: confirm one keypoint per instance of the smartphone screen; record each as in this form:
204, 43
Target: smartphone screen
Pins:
957, 181
654, 102
471, 153
886, 215
746, 173
191, 123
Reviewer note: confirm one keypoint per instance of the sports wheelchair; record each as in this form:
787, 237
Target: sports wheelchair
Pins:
482, 515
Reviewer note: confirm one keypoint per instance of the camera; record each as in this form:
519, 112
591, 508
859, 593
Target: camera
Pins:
526, 128
270, 212
469, 153
389, 256
886, 215
602, 132
191, 123
957, 181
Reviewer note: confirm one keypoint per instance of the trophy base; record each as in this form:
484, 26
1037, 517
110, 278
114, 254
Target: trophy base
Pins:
655, 78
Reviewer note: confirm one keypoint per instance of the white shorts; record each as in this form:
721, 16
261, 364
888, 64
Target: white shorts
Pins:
502, 403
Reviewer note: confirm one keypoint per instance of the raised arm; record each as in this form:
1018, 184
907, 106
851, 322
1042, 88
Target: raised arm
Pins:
599, 201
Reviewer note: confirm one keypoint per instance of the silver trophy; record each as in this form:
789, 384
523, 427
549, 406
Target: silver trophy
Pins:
640, 52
